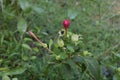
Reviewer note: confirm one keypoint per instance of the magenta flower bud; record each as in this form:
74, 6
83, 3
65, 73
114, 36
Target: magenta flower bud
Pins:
66, 24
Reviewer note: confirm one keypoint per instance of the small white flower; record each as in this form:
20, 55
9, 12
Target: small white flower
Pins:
61, 32
60, 43
75, 37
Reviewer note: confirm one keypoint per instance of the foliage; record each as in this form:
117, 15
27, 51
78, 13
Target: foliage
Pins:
89, 51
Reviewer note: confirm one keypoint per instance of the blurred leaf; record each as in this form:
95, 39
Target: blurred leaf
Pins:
16, 71
93, 67
2, 40
44, 33
1, 74
63, 55
37, 9
1, 3
50, 43
71, 64
64, 70
6, 77
25, 5
116, 77
14, 78
56, 50
72, 14
13, 54
78, 59
36, 49
70, 48
27, 39
25, 58
9, 13
1, 60
26, 46
117, 55
4, 69
33, 57
22, 25
67, 72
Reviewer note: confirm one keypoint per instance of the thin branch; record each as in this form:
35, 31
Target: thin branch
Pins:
35, 37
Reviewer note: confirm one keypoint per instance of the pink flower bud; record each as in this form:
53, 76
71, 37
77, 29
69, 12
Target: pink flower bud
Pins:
66, 24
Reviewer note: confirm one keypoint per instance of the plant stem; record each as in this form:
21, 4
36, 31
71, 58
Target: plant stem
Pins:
66, 33
34, 36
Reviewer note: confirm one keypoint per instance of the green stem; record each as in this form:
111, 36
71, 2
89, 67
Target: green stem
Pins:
66, 33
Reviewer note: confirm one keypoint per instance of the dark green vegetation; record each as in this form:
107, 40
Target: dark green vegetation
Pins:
96, 56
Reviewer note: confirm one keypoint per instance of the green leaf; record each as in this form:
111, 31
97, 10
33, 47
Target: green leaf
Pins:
25, 5
22, 25
4, 69
70, 48
63, 55
93, 68
117, 55
67, 72
71, 63
16, 71
6, 77
25, 58
27, 39
2, 39
36, 49
78, 59
13, 54
33, 57
8, 13
1, 73
116, 77
44, 33
26, 46
14, 78
50, 43
64, 70
37, 9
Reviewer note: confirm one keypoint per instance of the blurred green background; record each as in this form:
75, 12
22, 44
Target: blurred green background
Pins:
97, 20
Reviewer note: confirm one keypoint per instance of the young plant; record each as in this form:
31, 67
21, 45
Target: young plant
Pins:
68, 59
